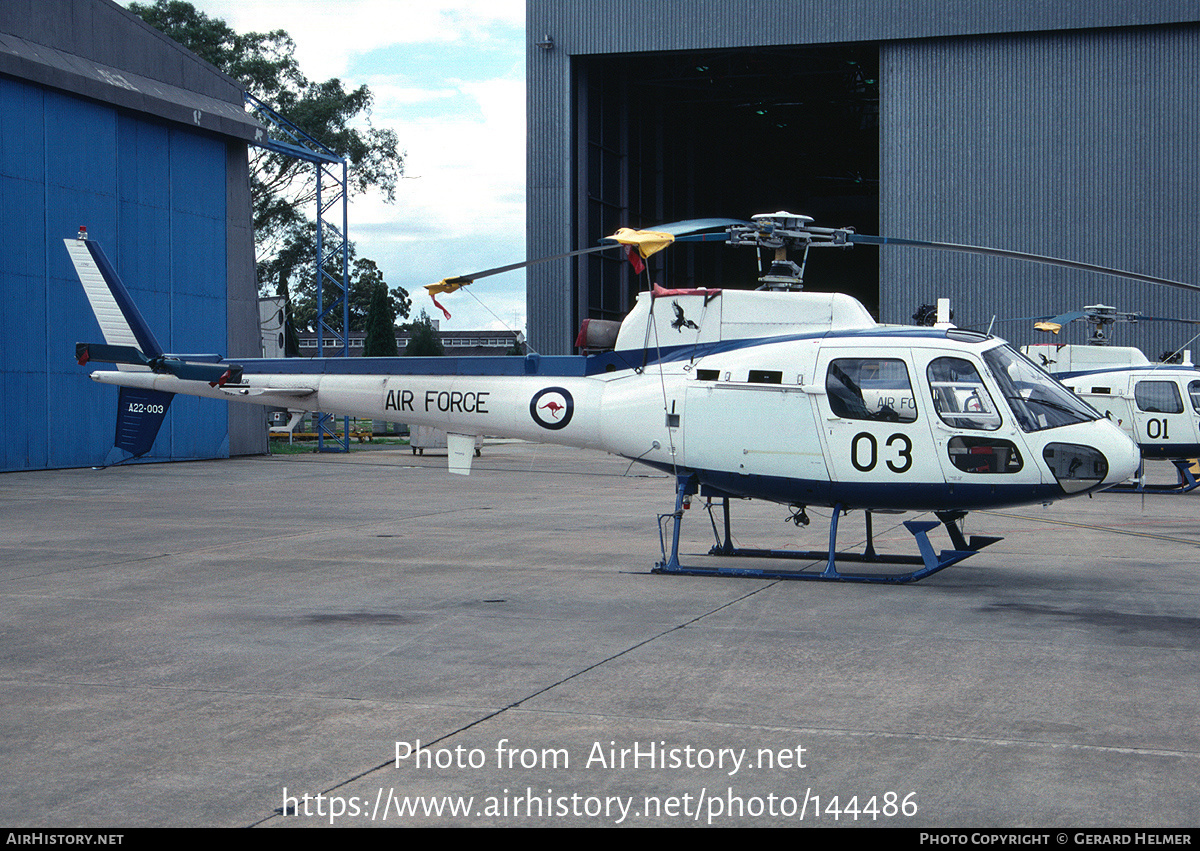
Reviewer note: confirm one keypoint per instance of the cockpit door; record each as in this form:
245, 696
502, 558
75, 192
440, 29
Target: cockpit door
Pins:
1159, 415
976, 438
871, 422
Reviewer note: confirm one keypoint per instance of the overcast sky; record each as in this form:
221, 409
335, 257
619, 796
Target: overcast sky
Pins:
449, 77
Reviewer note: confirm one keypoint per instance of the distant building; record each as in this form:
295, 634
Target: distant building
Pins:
456, 343
272, 324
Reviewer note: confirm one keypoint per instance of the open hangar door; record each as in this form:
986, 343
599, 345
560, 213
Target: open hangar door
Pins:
729, 133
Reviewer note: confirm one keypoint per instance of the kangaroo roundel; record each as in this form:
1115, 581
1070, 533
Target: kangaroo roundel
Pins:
552, 407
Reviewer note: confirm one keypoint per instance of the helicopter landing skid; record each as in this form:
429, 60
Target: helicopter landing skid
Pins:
1186, 481
930, 561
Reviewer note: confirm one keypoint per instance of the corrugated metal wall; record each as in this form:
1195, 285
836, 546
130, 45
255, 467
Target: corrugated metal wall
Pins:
616, 26
1080, 145
549, 194
154, 196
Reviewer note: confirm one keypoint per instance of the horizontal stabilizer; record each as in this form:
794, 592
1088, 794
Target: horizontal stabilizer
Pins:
194, 358
216, 374
104, 353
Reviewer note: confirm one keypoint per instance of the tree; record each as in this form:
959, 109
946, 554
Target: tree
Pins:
282, 186
381, 325
293, 273
365, 278
423, 339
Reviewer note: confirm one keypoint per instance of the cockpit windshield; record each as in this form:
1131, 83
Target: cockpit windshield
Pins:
1037, 401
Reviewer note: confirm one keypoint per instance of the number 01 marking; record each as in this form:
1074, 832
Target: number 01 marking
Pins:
903, 452
1156, 429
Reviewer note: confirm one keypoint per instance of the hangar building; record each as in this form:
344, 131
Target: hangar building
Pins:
1062, 129
108, 124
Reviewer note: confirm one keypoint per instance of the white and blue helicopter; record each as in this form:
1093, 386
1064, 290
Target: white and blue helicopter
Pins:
799, 398
1156, 404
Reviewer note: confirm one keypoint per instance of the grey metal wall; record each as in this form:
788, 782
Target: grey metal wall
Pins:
1062, 71
247, 436
1080, 145
617, 26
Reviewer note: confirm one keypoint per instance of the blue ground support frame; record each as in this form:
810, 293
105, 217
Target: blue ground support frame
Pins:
932, 562
332, 170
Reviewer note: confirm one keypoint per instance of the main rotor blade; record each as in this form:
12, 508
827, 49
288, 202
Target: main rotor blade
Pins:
1020, 255
1168, 319
677, 229
695, 226
474, 276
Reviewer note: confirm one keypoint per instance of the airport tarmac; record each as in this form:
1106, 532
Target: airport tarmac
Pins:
255, 642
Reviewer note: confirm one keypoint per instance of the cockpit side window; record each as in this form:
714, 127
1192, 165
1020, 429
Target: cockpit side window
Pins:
1158, 397
1037, 401
959, 395
1194, 394
870, 389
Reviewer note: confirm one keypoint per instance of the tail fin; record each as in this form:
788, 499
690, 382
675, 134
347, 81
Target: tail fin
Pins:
129, 342
130, 345
120, 321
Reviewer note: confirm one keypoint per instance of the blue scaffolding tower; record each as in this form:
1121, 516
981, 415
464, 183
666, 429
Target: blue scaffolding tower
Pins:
331, 174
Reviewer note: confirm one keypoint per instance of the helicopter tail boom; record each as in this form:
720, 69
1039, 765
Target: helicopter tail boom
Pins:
532, 398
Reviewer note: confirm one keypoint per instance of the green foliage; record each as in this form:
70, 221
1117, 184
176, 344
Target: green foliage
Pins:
292, 273
381, 325
281, 186
423, 339
365, 279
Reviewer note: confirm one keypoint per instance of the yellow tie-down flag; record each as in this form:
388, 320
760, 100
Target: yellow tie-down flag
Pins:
445, 285
639, 244
645, 242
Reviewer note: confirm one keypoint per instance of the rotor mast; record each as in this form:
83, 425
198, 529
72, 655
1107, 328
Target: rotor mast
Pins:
782, 232
1101, 320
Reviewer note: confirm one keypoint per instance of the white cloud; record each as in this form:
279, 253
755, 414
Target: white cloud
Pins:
329, 32
461, 207
455, 95
390, 96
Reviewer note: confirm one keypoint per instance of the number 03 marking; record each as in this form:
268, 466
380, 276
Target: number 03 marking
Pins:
901, 463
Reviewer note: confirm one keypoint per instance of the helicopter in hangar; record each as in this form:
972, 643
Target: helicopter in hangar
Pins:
796, 397
1156, 404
